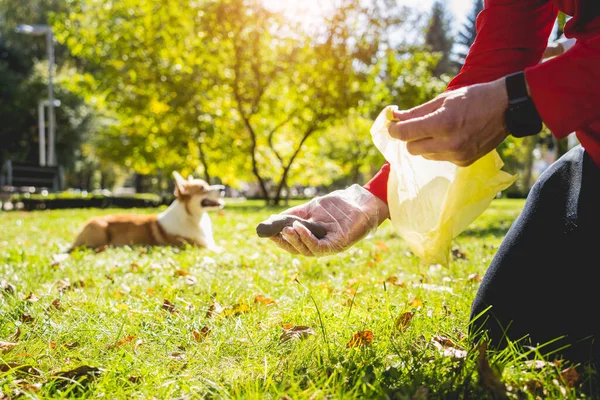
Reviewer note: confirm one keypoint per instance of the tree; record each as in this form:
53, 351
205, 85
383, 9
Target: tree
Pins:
466, 35
439, 39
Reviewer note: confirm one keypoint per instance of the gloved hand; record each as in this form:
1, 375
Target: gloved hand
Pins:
348, 215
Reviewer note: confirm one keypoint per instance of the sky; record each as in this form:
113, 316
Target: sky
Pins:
302, 9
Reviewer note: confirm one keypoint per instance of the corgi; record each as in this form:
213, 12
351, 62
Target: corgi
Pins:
185, 221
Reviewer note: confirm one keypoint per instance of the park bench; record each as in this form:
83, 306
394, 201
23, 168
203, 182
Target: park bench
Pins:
17, 177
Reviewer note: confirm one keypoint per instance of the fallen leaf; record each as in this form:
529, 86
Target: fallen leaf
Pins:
7, 287
361, 339
150, 291
177, 356
457, 253
395, 281
71, 345
134, 267
28, 369
487, 377
191, 280
382, 246
199, 336
135, 378
168, 306
123, 341
15, 336
349, 303
404, 320
62, 285
101, 249
416, 303
296, 332
570, 376
474, 278
448, 348
83, 371
181, 272
25, 317
55, 305
287, 326
214, 309
5, 347
259, 298
32, 298
52, 344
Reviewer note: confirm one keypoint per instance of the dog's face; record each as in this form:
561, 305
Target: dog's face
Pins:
197, 195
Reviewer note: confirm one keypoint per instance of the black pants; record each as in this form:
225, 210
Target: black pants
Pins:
540, 283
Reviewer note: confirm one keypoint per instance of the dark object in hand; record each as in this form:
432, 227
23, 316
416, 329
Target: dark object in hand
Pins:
275, 225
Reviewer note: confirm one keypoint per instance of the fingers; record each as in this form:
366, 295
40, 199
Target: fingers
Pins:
419, 111
427, 126
301, 211
292, 237
309, 240
282, 243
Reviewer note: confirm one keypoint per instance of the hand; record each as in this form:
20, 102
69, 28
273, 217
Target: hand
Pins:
459, 126
348, 216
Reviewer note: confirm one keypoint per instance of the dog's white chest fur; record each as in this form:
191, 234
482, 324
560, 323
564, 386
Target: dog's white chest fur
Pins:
176, 221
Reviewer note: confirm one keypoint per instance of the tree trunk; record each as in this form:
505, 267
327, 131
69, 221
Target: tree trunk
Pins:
202, 157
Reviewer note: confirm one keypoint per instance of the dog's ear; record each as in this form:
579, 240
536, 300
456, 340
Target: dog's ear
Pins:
179, 184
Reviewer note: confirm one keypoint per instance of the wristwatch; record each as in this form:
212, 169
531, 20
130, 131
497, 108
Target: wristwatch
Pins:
521, 117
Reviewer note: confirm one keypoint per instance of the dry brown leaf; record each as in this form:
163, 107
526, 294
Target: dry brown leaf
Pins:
168, 306
62, 285
177, 356
404, 320
71, 345
83, 371
382, 246
395, 281
5, 347
214, 309
28, 369
135, 378
416, 303
487, 377
15, 336
296, 332
32, 298
26, 318
349, 303
570, 376
287, 326
259, 298
135, 267
474, 277
448, 348
457, 253
52, 344
6, 287
181, 272
150, 291
123, 341
199, 336
361, 339
55, 305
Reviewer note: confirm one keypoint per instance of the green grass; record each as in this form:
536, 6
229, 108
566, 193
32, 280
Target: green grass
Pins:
115, 319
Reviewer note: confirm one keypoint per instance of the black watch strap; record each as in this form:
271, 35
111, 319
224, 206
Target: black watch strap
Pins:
521, 117
516, 87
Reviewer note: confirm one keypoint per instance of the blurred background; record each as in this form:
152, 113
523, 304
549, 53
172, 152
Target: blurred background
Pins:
103, 99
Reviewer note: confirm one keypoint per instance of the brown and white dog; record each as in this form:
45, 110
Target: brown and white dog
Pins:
184, 221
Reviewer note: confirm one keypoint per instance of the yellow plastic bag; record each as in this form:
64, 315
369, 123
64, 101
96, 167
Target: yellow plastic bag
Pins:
432, 202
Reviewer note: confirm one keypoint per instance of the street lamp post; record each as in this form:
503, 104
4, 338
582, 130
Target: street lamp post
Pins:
42, 129
40, 30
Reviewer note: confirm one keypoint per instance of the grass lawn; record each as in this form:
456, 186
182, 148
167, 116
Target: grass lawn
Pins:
186, 323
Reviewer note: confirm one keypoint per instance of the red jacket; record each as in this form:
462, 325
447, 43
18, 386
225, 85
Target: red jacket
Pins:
512, 36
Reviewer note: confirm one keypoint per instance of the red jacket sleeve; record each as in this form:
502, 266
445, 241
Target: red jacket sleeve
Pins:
511, 36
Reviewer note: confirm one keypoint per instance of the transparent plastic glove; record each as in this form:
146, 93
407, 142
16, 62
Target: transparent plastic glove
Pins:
348, 215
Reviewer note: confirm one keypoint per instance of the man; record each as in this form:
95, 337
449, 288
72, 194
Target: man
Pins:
539, 284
